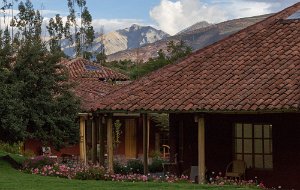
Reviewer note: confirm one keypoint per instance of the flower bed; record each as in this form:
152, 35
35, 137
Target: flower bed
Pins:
46, 167
149, 178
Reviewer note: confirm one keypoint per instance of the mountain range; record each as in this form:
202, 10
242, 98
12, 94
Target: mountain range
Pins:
139, 43
126, 39
196, 36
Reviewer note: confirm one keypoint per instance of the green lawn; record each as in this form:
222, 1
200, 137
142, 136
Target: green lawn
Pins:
12, 179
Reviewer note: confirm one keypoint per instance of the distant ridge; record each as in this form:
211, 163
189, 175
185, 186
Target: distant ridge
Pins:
129, 38
197, 38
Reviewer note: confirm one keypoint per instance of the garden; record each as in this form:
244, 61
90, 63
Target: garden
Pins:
42, 172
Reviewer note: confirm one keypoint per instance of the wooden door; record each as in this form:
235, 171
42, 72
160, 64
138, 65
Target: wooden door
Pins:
130, 138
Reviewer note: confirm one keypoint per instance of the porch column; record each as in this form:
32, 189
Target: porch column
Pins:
110, 144
82, 145
201, 150
146, 127
101, 141
94, 140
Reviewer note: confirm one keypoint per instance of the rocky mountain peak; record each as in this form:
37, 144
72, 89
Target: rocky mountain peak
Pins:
132, 37
134, 27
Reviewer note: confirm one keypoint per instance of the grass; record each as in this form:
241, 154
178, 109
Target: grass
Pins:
16, 157
11, 179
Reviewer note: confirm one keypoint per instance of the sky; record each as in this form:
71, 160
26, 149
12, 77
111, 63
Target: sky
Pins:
170, 16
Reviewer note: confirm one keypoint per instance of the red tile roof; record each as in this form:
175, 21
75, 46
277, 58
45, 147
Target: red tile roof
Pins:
90, 90
254, 70
91, 81
82, 68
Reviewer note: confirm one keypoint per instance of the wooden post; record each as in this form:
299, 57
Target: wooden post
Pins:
146, 124
201, 150
101, 141
94, 141
148, 136
110, 144
82, 140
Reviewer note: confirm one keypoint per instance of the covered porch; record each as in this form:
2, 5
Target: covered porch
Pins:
109, 137
267, 142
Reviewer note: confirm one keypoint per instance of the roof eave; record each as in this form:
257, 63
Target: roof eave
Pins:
275, 111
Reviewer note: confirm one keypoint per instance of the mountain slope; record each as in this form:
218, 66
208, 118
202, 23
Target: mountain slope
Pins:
196, 26
125, 39
197, 38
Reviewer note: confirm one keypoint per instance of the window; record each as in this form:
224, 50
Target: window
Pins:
253, 144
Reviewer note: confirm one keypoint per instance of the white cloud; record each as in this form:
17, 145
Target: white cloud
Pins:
115, 24
49, 13
174, 16
108, 24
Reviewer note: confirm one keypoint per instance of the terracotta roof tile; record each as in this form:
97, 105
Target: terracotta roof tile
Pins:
82, 68
90, 90
256, 69
90, 83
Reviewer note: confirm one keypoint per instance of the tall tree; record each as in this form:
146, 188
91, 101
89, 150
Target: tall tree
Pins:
35, 97
11, 108
84, 33
57, 31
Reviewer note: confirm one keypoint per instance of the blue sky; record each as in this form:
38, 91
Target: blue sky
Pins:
168, 15
107, 9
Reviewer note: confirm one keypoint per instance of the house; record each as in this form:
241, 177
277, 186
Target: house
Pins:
236, 99
91, 81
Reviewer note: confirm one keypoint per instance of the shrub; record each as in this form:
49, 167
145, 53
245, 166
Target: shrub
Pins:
135, 166
146, 178
38, 162
91, 173
28, 153
10, 148
218, 179
120, 169
156, 165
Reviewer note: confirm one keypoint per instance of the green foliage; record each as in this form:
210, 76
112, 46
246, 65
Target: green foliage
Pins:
124, 66
92, 173
85, 35
11, 108
50, 108
161, 121
132, 167
175, 51
28, 154
87, 55
178, 50
135, 166
117, 133
10, 148
56, 30
152, 65
156, 165
37, 162
101, 57
120, 168
35, 97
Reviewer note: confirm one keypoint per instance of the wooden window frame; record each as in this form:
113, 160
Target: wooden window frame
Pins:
253, 138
